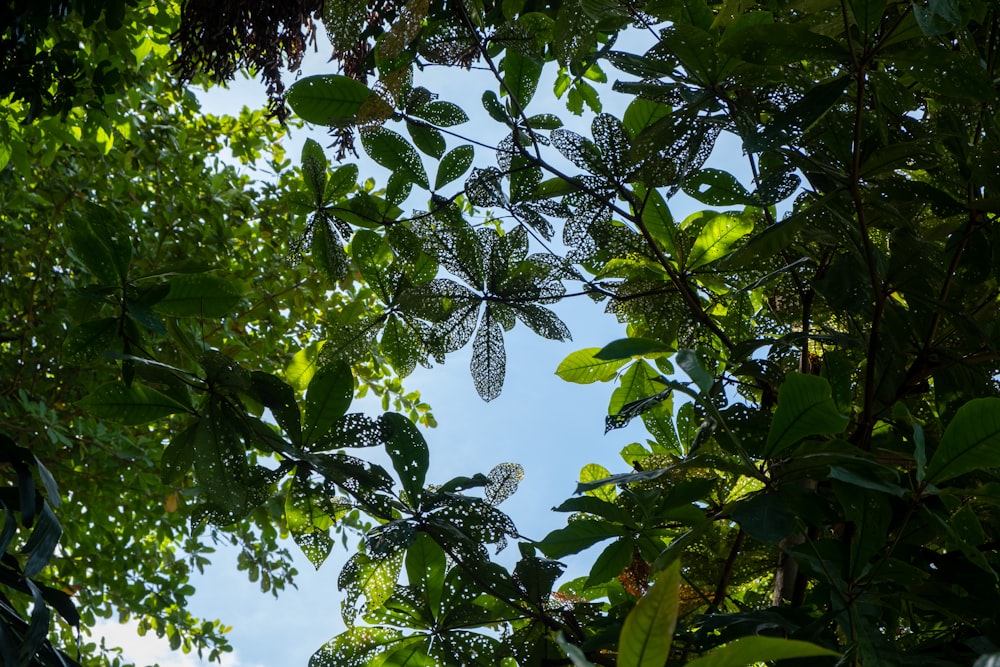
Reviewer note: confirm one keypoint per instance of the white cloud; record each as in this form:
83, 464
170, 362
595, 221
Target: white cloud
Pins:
152, 650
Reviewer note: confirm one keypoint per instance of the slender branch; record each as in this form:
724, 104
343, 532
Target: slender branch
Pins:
727, 572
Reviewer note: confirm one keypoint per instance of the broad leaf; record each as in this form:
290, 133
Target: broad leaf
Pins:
520, 77
970, 442
583, 367
314, 169
200, 295
453, 165
489, 360
137, 404
717, 238
627, 348
648, 631
393, 152
309, 520
578, 535
445, 114
90, 340
747, 651
327, 399
329, 99
100, 240
805, 408
408, 451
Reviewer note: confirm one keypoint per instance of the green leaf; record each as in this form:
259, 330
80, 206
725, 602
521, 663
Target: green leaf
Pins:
374, 578
100, 240
178, 457
400, 345
748, 651
611, 562
938, 17
427, 139
970, 442
200, 295
576, 656
627, 348
129, 405
38, 626
358, 646
592, 504
578, 535
656, 217
781, 44
426, 564
691, 364
648, 630
90, 340
768, 243
642, 114
314, 169
520, 77
445, 114
868, 15
453, 165
42, 542
535, 576
327, 99
715, 187
494, 108
489, 359
583, 367
410, 457
279, 397
343, 179
870, 513
393, 152
544, 121
805, 408
947, 73
717, 238
308, 519
766, 517
327, 399
791, 122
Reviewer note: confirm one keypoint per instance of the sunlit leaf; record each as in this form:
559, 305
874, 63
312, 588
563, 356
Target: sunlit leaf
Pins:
583, 367
805, 408
648, 631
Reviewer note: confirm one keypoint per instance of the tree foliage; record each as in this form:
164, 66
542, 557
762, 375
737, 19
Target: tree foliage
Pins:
818, 484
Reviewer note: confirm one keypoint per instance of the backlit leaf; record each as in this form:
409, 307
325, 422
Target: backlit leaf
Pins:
805, 408
583, 367
747, 651
648, 631
719, 235
329, 395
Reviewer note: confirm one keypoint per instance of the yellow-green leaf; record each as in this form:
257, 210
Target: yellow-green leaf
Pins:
649, 628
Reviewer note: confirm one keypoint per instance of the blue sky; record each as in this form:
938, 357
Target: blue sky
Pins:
551, 427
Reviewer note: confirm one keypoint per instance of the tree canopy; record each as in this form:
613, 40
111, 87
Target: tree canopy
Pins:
814, 355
